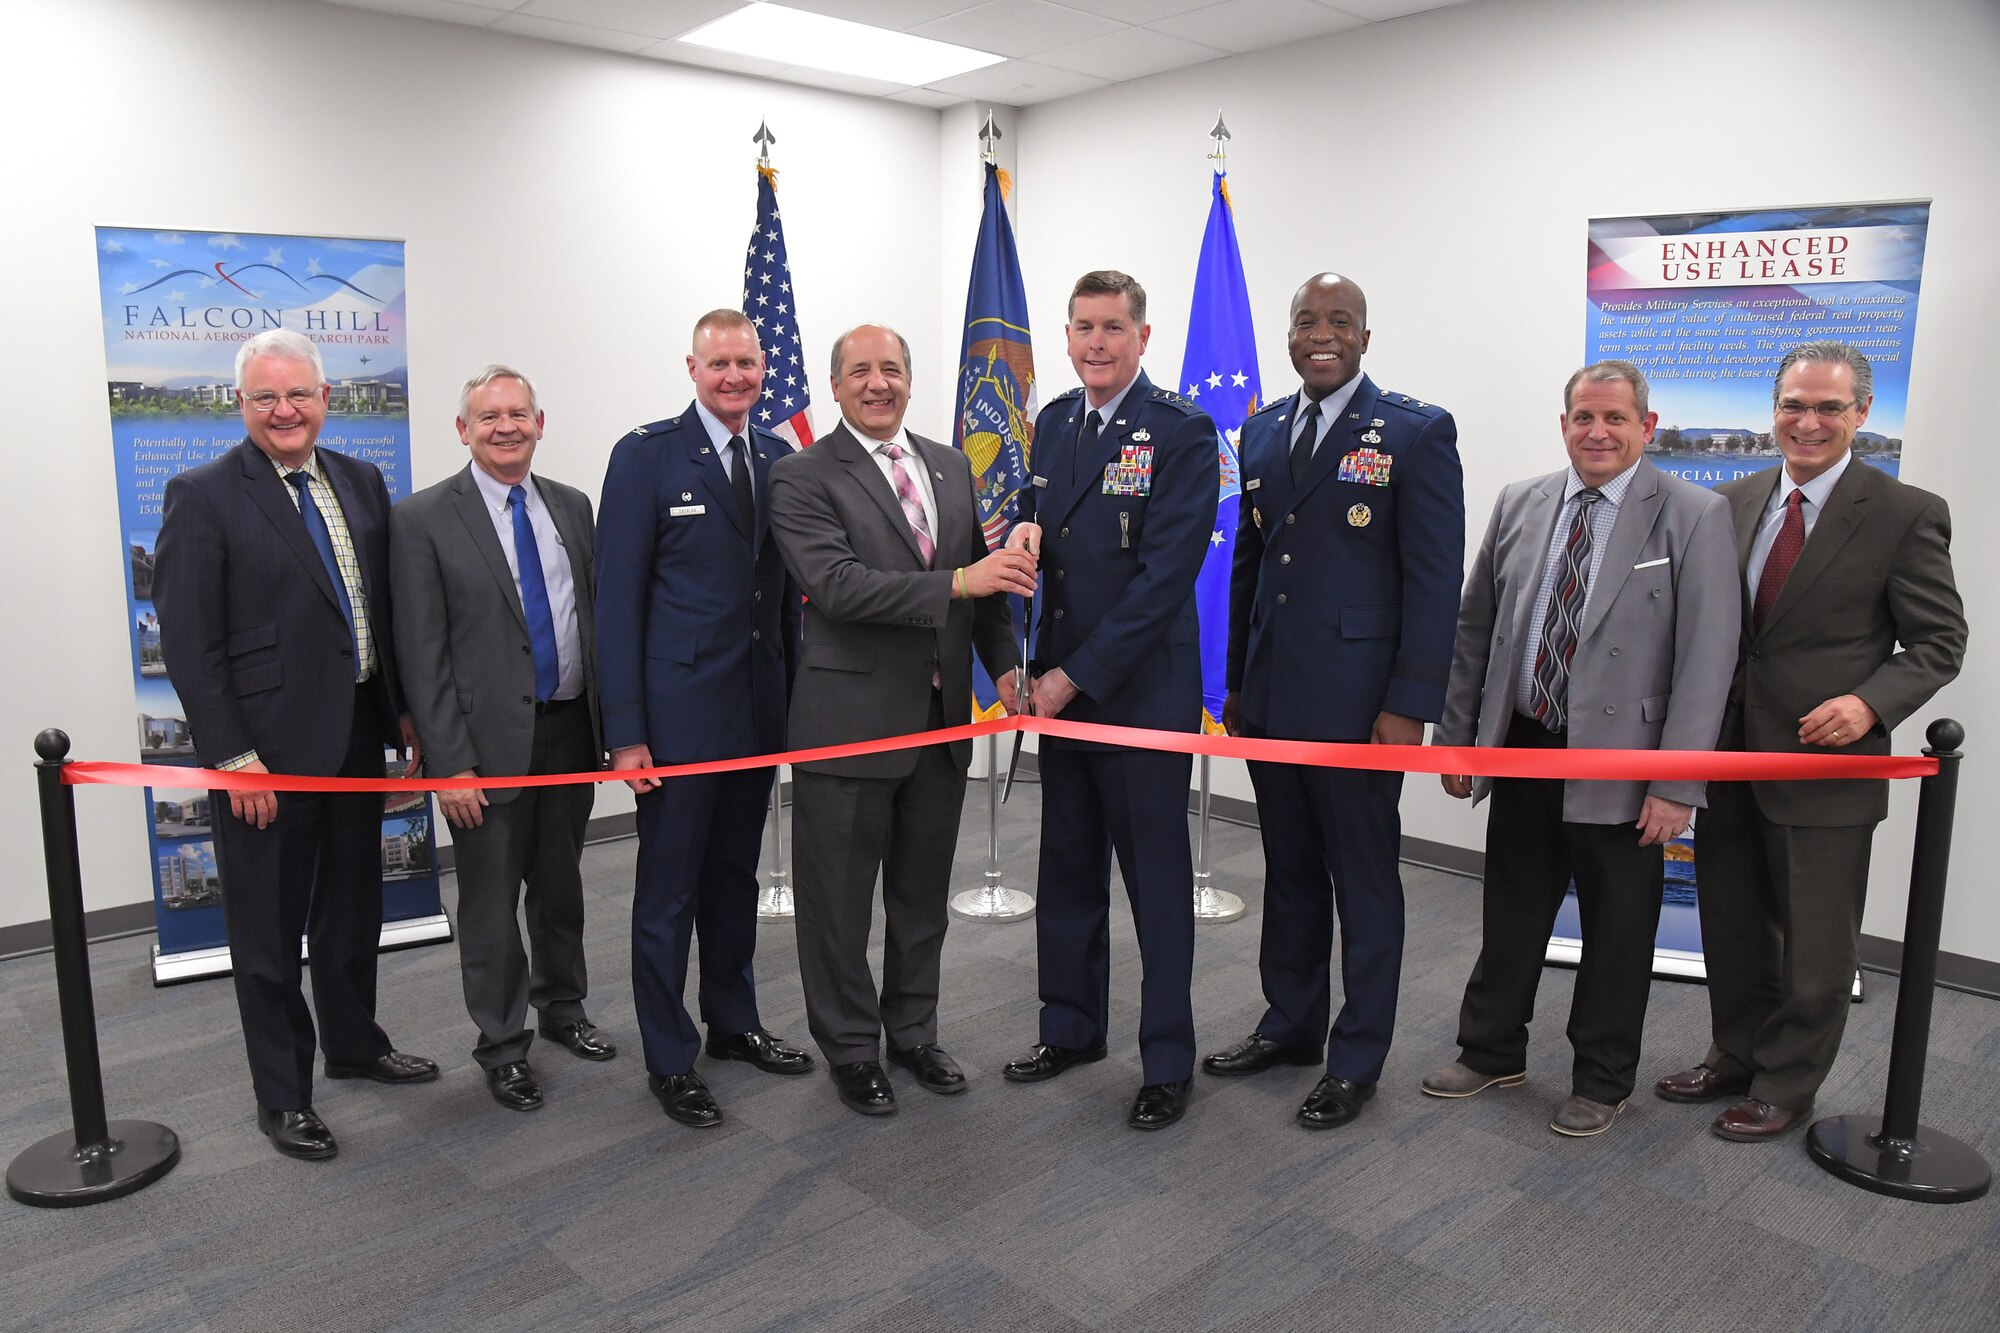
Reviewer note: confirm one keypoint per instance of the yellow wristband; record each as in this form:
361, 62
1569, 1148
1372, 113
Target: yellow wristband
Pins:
958, 582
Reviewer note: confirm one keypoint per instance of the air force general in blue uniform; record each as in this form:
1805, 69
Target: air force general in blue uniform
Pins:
697, 633
1124, 491
1343, 604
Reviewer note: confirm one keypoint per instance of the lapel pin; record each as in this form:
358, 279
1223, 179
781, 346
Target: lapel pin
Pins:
1119, 422
687, 495
704, 448
1141, 434
1376, 422
1372, 437
1356, 416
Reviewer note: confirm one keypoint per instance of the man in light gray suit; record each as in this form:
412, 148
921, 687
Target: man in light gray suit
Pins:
880, 528
492, 575
1601, 613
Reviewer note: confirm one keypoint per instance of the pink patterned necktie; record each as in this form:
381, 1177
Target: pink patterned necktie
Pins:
913, 503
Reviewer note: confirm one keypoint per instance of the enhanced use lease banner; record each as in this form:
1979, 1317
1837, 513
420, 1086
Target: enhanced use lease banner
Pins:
176, 306
1706, 304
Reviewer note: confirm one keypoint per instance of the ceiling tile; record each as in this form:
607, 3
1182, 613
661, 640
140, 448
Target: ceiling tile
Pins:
1018, 83
651, 18
1255, 25
446, 11
1376, 11
1019, 27
576, 34
899, 15
1136, 11
708, 57
1129, 54
926, 97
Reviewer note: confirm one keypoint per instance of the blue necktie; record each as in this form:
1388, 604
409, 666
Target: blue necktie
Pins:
535, 598
323, 539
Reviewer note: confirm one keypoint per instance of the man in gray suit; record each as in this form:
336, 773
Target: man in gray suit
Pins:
1601, 613
491, 570
880, 529
1851, 622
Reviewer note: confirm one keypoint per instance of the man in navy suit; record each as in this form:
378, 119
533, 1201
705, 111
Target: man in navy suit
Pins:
1342, 605
272, 583
1123, 499
697, 639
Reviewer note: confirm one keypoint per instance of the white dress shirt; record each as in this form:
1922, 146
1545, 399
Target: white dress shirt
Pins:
719, 435
555, 570
913, 463
1330, 409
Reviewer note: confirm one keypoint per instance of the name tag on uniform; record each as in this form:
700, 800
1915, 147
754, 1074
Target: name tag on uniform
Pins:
1366, 467
686, 511
1253, 483
1132, 473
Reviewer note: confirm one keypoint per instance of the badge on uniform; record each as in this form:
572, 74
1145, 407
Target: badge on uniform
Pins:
686, 511
1359, 516
1366, 467
1372, 437
1132, 473
1257, 516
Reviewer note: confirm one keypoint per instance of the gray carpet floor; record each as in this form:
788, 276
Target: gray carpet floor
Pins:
1010, 1208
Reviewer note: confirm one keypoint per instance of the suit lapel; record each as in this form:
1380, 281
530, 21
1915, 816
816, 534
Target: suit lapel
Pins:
267, 491
576, 549
953, 519
1537, 523
1843, 515
861, 466
470, 503
1644, 498
765, 449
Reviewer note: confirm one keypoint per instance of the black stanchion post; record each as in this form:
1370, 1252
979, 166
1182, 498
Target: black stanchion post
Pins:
1891, 1153
96, 1160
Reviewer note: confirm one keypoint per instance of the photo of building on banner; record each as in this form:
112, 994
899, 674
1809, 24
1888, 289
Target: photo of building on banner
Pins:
996, 393
176, 306
1706, 304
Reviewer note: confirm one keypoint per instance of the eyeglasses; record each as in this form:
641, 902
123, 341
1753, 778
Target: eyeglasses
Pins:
1791, 410
266, 401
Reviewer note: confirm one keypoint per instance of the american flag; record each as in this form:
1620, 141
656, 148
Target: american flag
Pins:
768, 301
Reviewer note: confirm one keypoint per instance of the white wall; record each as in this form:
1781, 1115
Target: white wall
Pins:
571, 212
567, 211
1449, 162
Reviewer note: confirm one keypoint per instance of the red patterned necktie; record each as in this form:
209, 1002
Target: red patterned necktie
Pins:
1785, 550
913, 503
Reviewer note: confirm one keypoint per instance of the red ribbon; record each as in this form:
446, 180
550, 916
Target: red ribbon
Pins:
1479, 761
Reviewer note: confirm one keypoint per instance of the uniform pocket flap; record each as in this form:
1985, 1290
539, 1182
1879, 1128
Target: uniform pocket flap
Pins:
256, 679
1370, 622
1655, 708
672, 648
833, 657
255, 637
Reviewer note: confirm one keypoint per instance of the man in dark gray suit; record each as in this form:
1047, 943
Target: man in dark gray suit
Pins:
1851, 622
880, 529
1600, 614
492, 575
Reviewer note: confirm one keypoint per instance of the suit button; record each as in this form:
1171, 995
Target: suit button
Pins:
1499, 640
347, 652
1614, 650
1063, 533
527, 698
1284, 560
1059, 573
1058, 613
1291, 518
1656, 592
756, 634
527, 651
1611, 710
1756, 653
757, 596
1281, 599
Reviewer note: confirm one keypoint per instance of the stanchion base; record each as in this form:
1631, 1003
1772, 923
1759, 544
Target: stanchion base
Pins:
1932, 1168
775, 904
992, 903
1217, 905
55, 1174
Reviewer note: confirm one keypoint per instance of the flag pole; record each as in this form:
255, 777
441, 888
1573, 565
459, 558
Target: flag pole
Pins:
993, 900
1211, 904
774, 900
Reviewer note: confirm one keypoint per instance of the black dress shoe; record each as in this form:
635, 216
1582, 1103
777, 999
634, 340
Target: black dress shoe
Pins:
1255, 1054
935, 1071
1334, 1101
299, 1134
582, 1037
395, 1067
761, 1049
686, 1098
1159, 1104
513, 1085
1043, 1062
864, 1087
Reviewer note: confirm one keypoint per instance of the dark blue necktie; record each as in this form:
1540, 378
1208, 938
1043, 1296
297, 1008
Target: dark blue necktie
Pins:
323, 540
535, 598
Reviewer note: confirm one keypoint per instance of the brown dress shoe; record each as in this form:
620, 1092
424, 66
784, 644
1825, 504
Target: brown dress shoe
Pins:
1753, 1121
1700, 1084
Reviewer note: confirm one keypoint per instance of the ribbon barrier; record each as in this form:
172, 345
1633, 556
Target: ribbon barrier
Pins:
1889, 1154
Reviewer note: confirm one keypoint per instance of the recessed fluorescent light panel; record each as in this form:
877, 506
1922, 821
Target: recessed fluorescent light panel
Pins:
797, 37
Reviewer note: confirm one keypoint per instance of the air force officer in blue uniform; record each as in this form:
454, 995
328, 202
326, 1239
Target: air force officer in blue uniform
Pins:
697, 634
1125, 488
1343, 601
